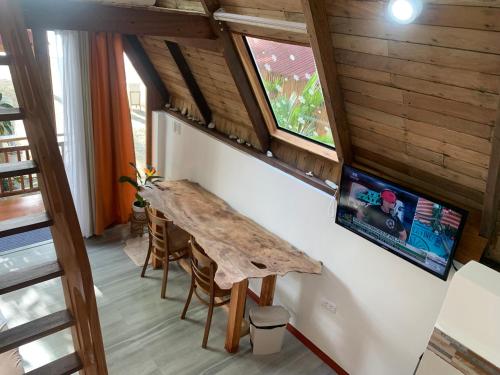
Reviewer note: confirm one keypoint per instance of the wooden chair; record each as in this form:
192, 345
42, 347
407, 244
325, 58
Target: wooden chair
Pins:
202, 279
167, 243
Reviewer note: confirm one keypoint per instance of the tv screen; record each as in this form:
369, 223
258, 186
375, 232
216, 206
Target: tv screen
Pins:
418, 228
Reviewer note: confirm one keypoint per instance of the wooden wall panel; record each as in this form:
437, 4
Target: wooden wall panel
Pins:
423, 94
305, 161
433, 13
217, 85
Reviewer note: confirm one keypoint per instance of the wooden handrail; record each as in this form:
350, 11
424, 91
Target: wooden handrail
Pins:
15, 138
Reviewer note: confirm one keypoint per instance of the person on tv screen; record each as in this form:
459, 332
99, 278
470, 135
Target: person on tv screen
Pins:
381, 216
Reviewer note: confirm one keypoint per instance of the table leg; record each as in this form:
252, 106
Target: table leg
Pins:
236, 311
267, 290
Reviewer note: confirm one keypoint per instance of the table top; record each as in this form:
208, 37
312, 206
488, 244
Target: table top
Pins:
240, 247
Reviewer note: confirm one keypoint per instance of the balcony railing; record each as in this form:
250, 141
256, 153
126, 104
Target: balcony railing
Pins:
14, 149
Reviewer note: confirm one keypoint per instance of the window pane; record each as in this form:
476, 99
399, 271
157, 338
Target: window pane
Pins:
137, 102
7, 92
290, 79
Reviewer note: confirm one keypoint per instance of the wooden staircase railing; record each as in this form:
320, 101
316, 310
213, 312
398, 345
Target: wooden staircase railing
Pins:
72, 264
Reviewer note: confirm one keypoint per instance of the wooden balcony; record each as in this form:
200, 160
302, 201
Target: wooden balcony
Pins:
14, 149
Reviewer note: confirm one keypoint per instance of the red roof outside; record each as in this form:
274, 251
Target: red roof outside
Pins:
282, 58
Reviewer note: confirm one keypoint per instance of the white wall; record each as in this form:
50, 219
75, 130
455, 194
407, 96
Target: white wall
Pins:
386, 307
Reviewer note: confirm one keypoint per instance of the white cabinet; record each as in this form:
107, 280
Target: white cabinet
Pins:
431, 364
466, 337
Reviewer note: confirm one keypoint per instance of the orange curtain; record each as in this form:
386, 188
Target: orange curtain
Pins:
112, 130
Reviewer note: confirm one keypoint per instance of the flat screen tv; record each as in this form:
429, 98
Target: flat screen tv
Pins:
415, 227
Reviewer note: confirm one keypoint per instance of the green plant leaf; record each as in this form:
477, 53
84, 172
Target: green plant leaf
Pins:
131, 181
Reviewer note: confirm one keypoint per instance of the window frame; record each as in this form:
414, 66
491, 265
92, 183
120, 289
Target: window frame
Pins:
295, 139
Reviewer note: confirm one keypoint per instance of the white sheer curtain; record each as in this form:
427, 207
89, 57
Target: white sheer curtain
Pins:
71, 91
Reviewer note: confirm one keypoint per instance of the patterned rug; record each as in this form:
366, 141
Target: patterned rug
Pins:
136, 249
25, 239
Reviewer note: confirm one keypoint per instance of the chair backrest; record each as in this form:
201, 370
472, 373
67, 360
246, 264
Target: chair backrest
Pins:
157, 228
203, 268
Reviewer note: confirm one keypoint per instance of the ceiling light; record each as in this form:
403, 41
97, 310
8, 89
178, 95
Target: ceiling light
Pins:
404, 11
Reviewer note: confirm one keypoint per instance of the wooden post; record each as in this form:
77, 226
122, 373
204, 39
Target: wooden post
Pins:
238, 73
190, 81
91, 16
322, 45
210, 6
235, 317
154, 102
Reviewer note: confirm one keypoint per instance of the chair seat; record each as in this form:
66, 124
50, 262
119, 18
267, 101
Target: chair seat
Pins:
173, 255
178, 237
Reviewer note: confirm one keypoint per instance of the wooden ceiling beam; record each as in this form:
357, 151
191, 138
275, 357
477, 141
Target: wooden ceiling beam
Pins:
241, 80
492, 195
204, 44
210, 6
88, 16
318, 28
190, 81
146, 70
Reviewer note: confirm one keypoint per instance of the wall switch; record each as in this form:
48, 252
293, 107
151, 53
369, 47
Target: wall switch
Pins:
329, 305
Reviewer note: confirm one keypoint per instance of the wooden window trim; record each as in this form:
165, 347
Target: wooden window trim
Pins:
304, 144
294, 140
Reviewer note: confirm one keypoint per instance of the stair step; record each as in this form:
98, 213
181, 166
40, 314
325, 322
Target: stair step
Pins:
28, 276
10, 114
34, 330
24, 224
4, 60
66, 365
20, 168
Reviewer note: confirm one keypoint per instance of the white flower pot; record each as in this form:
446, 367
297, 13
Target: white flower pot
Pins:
139, 213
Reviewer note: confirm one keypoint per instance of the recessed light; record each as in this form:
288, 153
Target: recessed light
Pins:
404, 11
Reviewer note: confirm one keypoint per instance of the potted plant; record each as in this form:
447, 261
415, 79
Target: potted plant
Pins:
138, 207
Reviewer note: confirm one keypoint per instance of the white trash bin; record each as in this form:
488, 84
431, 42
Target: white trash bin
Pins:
267, 328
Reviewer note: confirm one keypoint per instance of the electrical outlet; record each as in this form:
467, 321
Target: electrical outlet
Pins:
329, 305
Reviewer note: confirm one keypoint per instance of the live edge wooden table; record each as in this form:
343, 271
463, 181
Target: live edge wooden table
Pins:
241, 248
